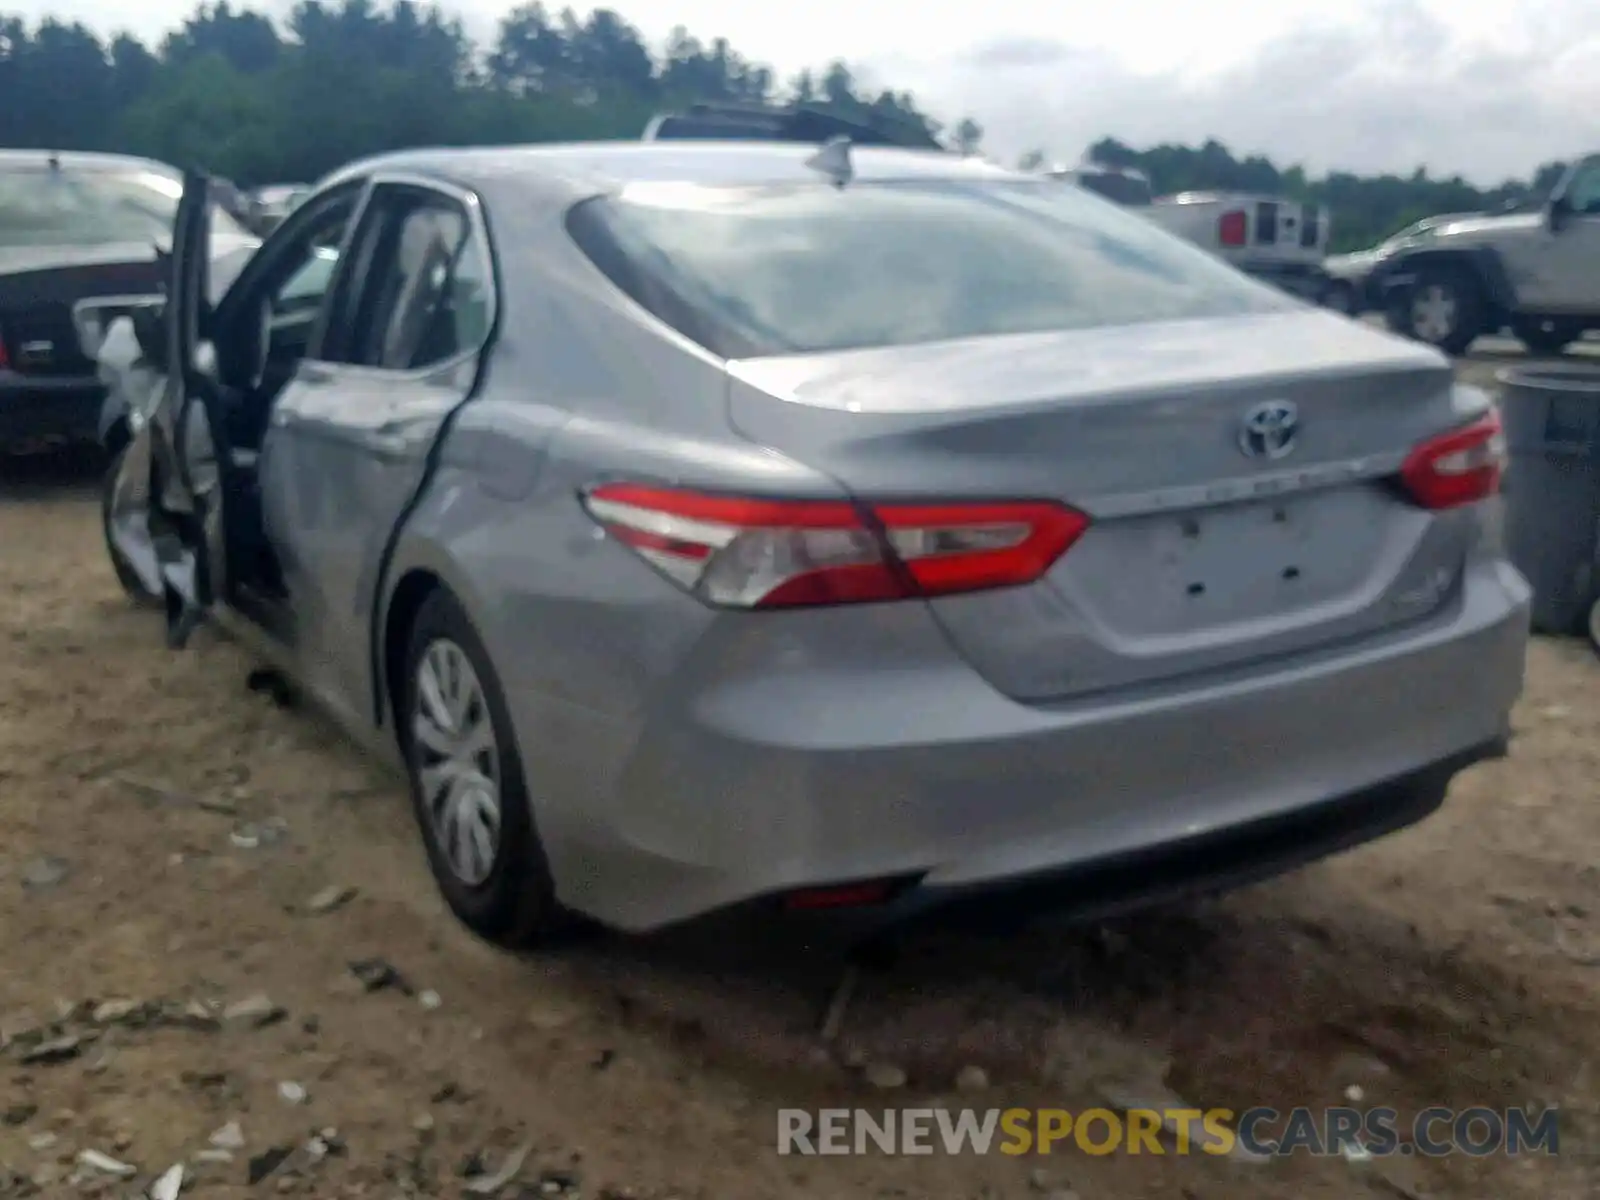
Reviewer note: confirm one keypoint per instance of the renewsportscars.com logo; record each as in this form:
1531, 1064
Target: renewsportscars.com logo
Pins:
1254, 1132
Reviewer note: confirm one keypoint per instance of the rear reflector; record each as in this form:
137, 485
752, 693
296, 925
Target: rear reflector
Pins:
748, 552
850, 895
1459, 467
1233, 228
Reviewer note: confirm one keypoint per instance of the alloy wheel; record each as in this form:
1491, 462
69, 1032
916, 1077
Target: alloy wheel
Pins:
1434, 312
457, 761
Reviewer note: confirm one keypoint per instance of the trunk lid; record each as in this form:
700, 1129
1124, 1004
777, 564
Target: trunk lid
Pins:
1206, 551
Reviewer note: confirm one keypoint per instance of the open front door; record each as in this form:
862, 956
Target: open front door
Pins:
185, 493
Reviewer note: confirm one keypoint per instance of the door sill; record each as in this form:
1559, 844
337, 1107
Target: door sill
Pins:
271, 614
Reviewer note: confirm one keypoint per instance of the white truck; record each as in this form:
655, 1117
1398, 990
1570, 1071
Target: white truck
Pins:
1271, 237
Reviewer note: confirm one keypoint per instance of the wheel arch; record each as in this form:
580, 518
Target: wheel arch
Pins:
416, 571
1482, 262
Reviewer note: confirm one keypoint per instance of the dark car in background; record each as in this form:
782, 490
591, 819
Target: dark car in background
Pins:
1350, 276
79, 239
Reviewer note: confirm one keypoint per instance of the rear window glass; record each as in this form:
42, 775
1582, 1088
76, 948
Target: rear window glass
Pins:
749, 272
71, 207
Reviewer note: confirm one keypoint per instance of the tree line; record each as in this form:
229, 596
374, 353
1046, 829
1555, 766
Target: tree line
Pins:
260, 102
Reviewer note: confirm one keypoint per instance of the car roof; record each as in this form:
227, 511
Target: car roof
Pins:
81, 160
604, 166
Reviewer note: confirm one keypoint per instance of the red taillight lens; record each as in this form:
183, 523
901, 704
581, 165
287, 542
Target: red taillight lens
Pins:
1232, 228
740, 552
5, 359
1459, 467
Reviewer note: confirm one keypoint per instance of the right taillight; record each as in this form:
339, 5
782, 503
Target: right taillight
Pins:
1233, 228
754, 552
1459, 467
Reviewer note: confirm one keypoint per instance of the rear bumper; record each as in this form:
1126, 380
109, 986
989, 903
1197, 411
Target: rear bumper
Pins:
1116, 884
34, 409
783, 772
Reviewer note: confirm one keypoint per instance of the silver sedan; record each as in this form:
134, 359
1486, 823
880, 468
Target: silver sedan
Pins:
712, 527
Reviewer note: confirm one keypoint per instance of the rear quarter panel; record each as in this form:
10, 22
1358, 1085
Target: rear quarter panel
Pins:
586, 639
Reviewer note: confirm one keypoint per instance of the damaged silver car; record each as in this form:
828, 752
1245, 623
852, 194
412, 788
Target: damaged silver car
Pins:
715, 528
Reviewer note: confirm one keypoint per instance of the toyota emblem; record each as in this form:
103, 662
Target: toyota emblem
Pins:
1269, 429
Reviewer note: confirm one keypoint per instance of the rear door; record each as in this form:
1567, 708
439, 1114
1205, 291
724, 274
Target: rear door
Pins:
352, 437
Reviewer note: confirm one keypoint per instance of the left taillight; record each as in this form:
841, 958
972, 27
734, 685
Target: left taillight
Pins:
750, 552
1459, 467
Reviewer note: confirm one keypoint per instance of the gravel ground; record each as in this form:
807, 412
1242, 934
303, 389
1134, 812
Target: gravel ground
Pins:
189, 871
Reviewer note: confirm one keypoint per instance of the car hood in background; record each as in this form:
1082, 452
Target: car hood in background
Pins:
1353, 266
1486, 228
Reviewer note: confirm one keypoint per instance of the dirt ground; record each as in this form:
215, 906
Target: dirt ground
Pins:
169, 839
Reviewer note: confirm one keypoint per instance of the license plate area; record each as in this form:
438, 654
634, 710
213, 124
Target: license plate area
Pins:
1223, 557
1268, 560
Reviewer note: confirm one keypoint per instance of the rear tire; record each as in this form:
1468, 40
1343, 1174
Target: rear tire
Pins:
1546, 336
126, 575
471, 804
1446, 309
1591, 625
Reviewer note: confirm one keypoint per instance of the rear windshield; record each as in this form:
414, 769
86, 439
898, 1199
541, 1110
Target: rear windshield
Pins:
749, 272
67, 207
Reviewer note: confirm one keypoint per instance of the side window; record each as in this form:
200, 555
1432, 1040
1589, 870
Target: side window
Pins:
471, 289
425, 295
308, 267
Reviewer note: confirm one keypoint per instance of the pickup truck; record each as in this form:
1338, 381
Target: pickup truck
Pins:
1271, 237
1536, 272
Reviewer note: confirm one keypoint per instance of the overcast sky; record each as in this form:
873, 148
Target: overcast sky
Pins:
1487, 88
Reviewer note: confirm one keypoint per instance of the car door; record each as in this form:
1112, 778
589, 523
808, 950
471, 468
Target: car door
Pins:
352, 436
1575, 264
185, 489
225, 363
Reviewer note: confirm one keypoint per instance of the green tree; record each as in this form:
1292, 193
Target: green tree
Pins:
967, 136
265, 99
